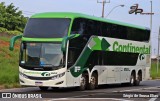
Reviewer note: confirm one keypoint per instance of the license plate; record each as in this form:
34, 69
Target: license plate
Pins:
39, 83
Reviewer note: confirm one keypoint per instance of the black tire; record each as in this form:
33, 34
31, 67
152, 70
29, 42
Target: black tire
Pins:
137, 81
125, 84
43, 88
83, 82
132, 80
93, 82
55, 88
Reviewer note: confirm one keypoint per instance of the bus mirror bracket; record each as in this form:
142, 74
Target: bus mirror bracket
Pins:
66, 39
13, 40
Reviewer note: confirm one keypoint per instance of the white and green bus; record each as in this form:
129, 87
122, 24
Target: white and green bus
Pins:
77, 50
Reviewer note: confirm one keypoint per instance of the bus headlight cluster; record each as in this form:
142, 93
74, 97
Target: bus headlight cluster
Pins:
58, 76
23, 75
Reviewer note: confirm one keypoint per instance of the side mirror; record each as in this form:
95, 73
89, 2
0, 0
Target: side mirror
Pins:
1, 25
13, 40
65, 40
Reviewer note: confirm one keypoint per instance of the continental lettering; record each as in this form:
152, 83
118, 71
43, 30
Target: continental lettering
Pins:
130, 48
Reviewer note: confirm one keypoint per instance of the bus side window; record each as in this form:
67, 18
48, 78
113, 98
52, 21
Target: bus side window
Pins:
88, 28
93, 28
106, 30
78, 26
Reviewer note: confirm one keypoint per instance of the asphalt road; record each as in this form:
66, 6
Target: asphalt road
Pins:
147, 91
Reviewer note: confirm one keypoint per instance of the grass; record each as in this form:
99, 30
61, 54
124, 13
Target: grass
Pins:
153, 72
8, 64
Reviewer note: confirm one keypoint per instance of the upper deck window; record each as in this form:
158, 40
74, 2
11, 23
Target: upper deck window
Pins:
47, 27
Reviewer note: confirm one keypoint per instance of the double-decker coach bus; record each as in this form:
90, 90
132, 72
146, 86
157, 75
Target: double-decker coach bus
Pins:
77, 50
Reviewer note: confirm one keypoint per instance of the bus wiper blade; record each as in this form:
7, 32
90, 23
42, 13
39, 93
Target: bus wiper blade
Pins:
47, 65
50, 65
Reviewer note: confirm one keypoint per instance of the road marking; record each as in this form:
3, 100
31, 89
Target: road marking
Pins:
24, 88
148, 88
152, 99
59, 99
156, 87
75, 98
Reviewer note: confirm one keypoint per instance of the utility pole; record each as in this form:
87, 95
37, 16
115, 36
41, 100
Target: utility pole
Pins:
151, 33
158, 52
103, 5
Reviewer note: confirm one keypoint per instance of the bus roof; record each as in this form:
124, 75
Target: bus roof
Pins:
79, 15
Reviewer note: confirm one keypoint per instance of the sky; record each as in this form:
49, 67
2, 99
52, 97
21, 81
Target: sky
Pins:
91, 7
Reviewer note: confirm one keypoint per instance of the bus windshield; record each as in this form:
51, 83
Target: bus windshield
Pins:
47, 27
41, 55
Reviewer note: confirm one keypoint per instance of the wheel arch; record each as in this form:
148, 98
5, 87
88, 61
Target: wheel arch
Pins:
133, 72
93, 72
139, 73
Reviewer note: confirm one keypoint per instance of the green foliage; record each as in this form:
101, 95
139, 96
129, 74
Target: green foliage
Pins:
3, 29
8, 64
11, 18
14, 32
153, 72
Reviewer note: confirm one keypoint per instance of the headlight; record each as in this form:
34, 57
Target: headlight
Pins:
58, 76
23, 75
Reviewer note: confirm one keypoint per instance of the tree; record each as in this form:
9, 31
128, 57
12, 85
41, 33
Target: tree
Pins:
11, 17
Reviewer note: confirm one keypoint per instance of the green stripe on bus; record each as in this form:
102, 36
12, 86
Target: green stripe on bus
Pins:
43, 39
81, 62
95, 44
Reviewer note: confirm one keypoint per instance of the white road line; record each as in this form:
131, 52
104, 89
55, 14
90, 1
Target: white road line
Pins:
59, 99
24, 88
152, 99
74, 98
148, 88
156, 87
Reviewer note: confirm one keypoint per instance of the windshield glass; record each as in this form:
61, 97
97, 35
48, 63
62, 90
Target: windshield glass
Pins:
41, 54
47, 27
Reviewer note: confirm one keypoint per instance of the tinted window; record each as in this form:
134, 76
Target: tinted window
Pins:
123, 32
92, 27
119, 58
86, 27
76, 46
78, 26
137, 34
47, 27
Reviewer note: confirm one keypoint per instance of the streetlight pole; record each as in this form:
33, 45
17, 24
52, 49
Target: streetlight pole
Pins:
103, 5
151, 17
114, 8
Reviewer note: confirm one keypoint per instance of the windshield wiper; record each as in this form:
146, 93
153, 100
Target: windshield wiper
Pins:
46, 65
50, 65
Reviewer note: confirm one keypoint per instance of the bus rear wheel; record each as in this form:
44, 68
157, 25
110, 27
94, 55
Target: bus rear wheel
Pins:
93, 81
43, 88
137, 82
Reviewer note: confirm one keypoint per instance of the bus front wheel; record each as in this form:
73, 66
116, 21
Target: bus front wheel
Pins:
55, 88
83, 82
43, 88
